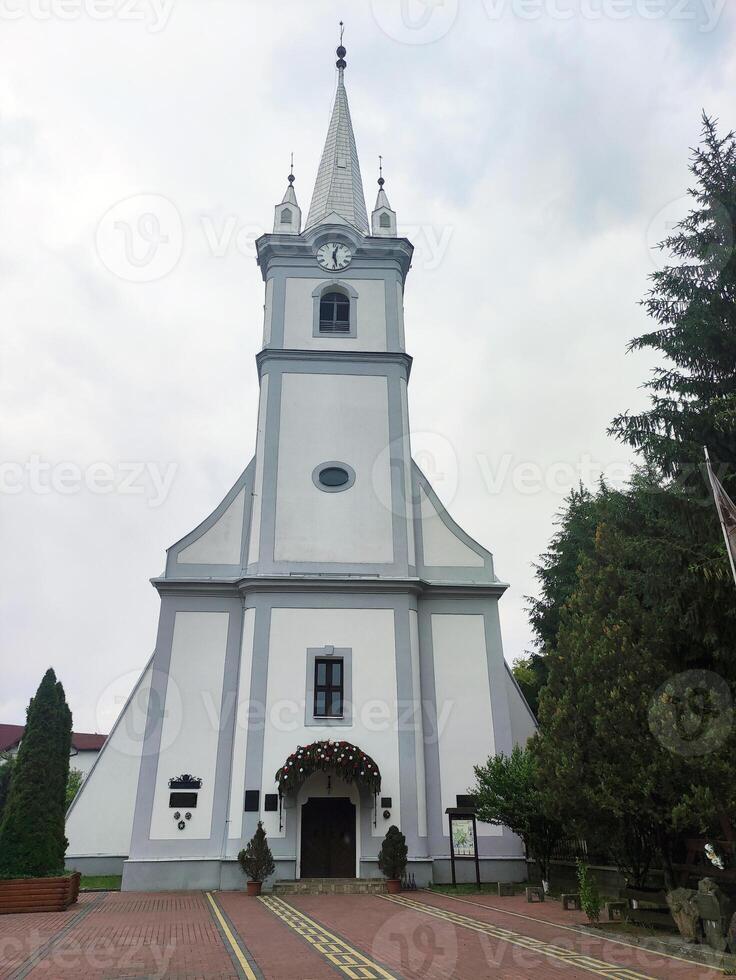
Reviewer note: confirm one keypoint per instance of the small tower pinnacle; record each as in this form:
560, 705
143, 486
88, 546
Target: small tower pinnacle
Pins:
287, 219
383, 219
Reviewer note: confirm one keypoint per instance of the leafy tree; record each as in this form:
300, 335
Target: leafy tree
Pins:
32, 841
256, 859
693, 301
506, 793
73, 784
531, 676
393, 854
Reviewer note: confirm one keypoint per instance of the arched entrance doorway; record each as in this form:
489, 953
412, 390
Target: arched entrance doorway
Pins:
330, 784
328, 828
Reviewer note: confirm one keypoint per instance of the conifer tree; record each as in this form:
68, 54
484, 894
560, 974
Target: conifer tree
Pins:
32, 841
693, 302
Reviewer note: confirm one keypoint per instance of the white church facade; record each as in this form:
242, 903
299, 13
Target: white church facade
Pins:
329, 598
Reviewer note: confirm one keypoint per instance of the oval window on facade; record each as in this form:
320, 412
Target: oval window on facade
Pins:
333, 476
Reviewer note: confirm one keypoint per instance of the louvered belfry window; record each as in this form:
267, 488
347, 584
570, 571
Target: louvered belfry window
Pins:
334, 313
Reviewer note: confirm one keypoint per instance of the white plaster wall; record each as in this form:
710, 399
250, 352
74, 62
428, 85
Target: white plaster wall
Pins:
440, 545
371, 321
190, 729
255, 524
221, 544
463, 701
400, 305
268, 313
101, 819
408, 504
370, 634
418, 725
240, 745
523, 725
334, 417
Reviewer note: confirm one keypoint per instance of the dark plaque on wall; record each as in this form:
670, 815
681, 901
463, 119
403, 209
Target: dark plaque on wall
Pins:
252, 800
271, 802
183, 799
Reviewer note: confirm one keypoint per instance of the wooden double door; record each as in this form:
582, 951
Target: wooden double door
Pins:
328, 838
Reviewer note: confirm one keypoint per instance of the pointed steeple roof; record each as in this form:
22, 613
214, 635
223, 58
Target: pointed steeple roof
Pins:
339, 187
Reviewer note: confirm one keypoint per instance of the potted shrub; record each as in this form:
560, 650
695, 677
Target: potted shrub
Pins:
392, 858
32, 841
256, 860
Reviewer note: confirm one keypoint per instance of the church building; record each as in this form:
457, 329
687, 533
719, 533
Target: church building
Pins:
329, 657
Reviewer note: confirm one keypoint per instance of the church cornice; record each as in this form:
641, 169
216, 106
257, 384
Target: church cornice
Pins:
316, 583
333, 357
300, 250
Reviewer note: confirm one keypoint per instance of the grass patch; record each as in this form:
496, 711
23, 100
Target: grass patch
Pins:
108, 883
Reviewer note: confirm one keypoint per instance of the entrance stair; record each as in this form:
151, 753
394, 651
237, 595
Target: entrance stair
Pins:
330, 886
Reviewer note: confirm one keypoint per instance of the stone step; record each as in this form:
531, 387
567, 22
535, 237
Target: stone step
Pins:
330, 886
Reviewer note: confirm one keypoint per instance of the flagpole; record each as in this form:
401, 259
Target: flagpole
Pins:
716, 497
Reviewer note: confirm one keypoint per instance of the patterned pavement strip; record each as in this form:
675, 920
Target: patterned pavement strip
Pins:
39, 954
348, 960
695, 964
570, 957
240, 955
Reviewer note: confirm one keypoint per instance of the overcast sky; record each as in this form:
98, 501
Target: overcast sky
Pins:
533, 150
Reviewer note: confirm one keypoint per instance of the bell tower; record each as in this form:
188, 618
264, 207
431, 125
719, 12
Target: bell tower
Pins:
333, 461
328, 609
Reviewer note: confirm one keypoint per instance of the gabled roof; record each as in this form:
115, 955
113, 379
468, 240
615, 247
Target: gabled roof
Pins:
10, 736
339, 186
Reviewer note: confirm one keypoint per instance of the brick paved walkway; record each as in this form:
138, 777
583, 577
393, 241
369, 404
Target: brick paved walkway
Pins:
181, 936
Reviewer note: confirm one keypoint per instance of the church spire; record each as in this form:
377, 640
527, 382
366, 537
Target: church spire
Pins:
383, 219
287, 217
338, 189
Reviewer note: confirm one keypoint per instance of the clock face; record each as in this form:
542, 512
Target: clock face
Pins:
334, 256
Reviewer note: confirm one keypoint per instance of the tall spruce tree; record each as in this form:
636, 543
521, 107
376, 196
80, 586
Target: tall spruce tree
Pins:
605, 766
32, 841
693, 302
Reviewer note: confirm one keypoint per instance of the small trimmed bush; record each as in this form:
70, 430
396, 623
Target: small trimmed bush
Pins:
393, 854
256, 859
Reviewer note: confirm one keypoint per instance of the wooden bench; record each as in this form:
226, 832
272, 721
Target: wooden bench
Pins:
570, 901
505, 889
534, 893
